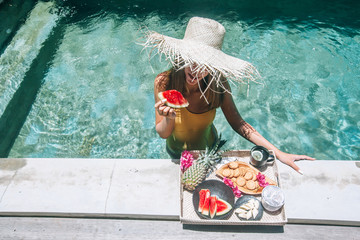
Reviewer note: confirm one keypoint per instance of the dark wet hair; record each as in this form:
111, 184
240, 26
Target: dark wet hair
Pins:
214, 94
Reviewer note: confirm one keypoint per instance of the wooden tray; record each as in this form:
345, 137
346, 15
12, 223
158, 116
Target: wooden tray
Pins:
248, 169
188, 214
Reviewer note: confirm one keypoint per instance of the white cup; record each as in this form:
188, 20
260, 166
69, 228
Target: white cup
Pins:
272, 198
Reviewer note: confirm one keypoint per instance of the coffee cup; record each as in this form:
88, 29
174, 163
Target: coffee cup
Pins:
259, 156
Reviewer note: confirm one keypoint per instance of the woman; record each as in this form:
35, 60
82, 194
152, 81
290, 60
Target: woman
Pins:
201, 72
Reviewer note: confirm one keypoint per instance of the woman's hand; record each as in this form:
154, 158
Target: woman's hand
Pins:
164, 115
164, 119
289, 159
164, 110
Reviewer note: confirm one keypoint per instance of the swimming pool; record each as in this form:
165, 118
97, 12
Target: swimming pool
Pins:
74, 83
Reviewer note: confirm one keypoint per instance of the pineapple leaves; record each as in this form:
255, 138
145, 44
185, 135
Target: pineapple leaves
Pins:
206, 161
219, 143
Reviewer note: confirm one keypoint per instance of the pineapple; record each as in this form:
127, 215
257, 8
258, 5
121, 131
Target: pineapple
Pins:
197, 172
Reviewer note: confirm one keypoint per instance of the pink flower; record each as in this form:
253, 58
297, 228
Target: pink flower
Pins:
186, 160
228, 182
234, 188
237, 192
261, 179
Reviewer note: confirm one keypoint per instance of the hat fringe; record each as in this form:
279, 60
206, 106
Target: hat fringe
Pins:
245, 74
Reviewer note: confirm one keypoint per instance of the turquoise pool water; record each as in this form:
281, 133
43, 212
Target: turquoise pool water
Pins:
95, 97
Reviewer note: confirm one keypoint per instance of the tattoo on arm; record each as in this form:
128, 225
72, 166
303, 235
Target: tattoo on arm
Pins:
246, 129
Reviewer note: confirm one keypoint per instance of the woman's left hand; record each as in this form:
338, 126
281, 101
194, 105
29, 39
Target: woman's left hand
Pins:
289, 159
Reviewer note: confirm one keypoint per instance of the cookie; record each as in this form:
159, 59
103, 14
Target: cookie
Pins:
257, 186
240, 181
242, 171
226, 172
233, 165
248, 175
236, 172
231, 173
254, 178
250, 185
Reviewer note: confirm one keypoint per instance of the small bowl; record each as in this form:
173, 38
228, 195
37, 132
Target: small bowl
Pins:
242, 200
272, 198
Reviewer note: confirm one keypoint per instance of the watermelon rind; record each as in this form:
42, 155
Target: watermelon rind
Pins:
213, 206
202, 196
206, 206
173, 104
221, 203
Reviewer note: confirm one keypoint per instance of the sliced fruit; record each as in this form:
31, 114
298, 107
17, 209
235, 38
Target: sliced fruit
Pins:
257, 155
174, 99
206, 205
223, 207
213, 206
202, 196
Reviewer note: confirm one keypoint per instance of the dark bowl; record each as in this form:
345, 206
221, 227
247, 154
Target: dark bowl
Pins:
242, 200
218, 188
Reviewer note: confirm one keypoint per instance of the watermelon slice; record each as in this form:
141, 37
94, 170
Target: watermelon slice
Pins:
206, 205
202, 196
223, 207
174, 99
213, 206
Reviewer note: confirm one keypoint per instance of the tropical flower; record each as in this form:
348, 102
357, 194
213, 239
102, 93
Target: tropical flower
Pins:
261, 179
186, 160
234, 188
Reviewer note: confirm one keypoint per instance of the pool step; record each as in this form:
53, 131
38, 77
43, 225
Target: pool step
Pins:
13, 14
26, 61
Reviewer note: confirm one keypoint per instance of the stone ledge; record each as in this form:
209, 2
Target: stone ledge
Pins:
328, 192
149, 189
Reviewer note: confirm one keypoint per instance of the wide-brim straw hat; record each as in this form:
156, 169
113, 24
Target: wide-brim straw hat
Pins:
201, 47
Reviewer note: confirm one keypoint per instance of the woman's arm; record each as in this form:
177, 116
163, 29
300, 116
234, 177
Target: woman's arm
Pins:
164, 115
247, 131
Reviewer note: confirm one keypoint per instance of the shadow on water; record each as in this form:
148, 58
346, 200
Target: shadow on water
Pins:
20, 105
334, 12
12, 14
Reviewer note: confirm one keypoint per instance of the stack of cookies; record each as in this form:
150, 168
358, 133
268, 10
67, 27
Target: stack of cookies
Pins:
242, 175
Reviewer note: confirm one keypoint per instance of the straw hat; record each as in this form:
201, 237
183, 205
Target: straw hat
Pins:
201, 47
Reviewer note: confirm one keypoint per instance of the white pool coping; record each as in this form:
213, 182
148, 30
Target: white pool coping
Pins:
327, 193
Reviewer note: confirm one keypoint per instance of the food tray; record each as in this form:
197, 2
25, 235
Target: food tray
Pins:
187, 211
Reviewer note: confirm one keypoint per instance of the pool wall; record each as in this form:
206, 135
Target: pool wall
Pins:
21, 98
